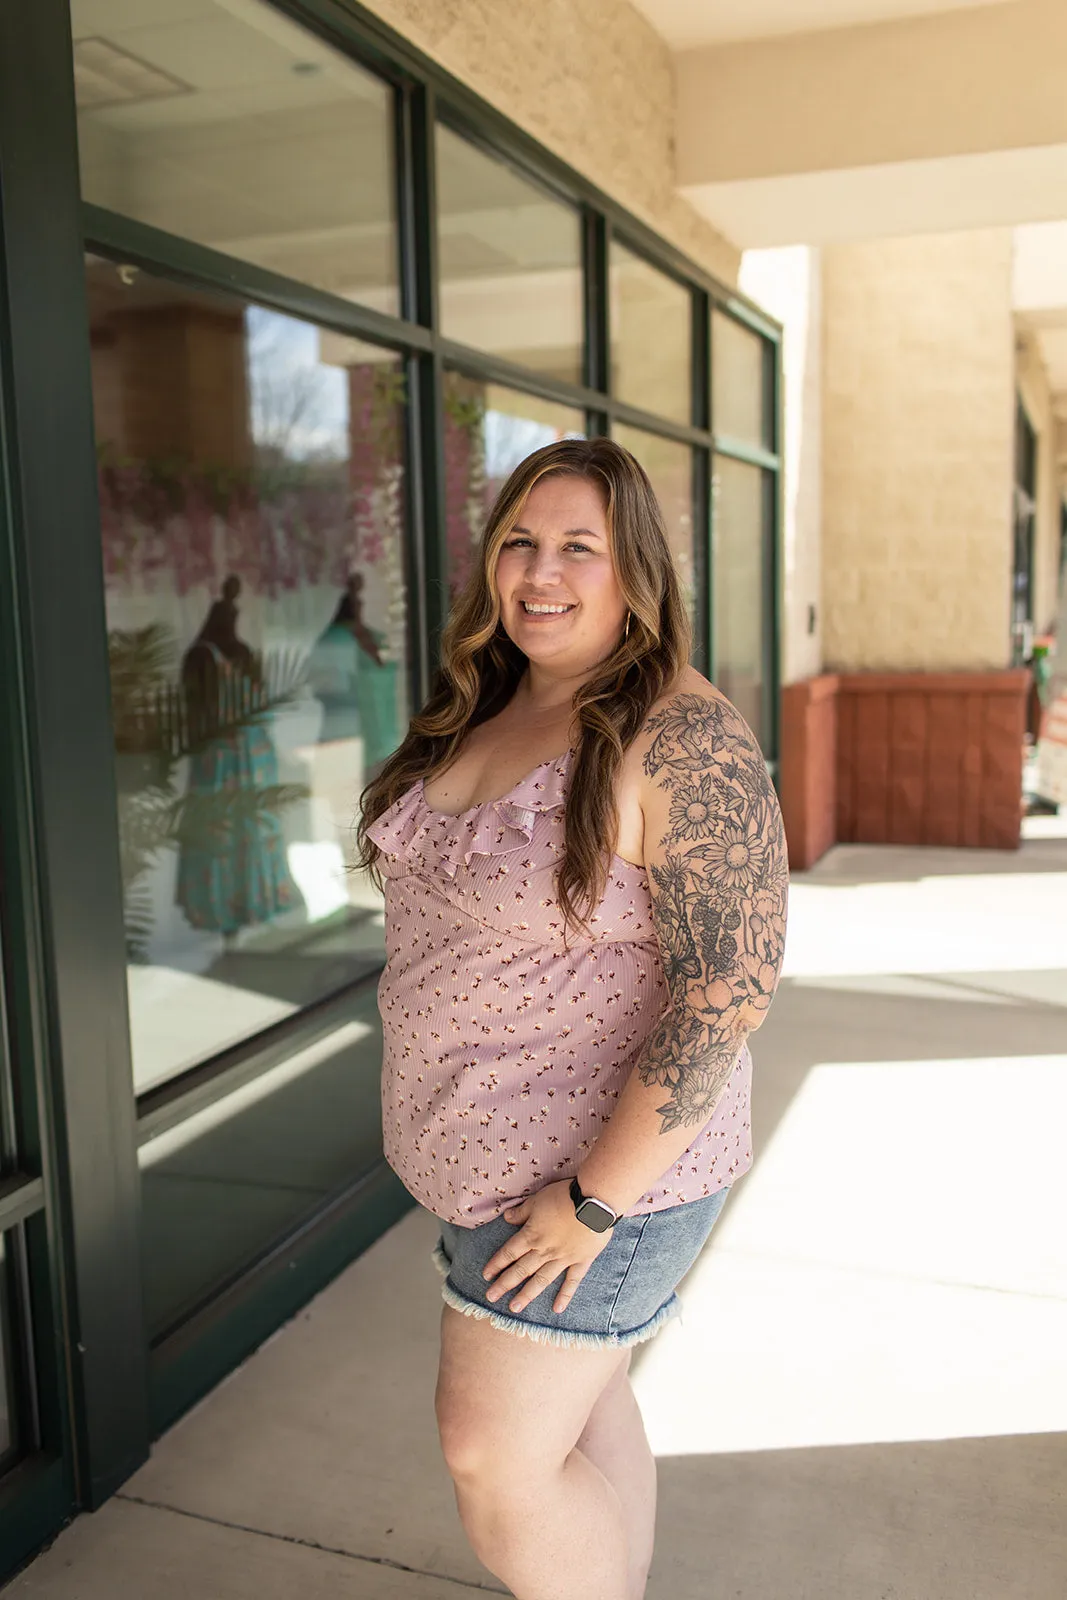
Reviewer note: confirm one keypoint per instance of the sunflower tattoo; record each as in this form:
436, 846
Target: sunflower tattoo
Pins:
736, 855
693, 809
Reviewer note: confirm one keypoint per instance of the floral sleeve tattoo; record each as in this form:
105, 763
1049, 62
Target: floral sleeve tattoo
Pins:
719, 885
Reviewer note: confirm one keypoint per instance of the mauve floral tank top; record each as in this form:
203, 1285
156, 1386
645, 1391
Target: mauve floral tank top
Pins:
505, 1050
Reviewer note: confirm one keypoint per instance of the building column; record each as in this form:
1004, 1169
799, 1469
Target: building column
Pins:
914, 731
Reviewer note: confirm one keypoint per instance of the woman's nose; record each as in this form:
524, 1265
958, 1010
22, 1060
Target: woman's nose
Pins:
543, 565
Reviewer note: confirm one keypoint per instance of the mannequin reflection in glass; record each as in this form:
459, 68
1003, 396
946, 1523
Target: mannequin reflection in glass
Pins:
355, 683
232, 867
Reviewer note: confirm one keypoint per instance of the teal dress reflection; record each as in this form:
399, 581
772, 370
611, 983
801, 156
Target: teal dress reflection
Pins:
232, 866
357, 689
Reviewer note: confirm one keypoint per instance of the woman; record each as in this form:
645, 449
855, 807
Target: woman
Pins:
233, 871
585, 910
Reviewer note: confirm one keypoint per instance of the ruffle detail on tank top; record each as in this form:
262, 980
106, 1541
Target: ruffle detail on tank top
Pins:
410, 830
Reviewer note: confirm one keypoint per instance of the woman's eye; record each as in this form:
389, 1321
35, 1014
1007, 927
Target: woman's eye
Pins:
522, 541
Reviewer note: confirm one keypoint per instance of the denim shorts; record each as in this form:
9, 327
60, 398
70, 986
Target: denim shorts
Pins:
625, 1297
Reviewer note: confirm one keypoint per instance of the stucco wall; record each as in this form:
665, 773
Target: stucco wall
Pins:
590, 79
918, 409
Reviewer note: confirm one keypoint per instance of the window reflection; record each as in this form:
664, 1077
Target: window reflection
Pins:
670, 470
651, 331
739, 389
7, 1420
251, 497
488, 431
221, 1184
228, 124
742, 524
510, 262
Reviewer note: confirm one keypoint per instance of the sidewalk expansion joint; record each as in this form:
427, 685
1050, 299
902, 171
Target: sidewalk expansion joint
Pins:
859, 1269
311, 1544
960, 987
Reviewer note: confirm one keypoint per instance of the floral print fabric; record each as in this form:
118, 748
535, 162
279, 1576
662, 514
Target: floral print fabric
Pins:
506, 1048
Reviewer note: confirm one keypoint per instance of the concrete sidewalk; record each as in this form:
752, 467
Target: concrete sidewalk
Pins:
866, 1398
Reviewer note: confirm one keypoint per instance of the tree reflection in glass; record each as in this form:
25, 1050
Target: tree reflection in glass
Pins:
488, 431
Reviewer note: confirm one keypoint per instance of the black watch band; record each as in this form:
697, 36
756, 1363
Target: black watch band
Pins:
596, 1214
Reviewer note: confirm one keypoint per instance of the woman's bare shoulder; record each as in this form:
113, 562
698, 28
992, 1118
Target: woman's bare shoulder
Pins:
692, 693
703, 779
691, 735
690, 730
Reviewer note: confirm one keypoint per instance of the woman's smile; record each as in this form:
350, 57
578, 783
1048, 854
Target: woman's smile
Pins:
545, 610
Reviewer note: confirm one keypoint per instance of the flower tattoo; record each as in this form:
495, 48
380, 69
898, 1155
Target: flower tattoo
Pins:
693, 809
719, 879
736, 855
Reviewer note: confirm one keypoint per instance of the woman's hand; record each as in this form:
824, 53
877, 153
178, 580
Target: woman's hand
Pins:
551, 1241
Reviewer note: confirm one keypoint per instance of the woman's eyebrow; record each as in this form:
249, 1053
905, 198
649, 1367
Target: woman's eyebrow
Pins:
571, 533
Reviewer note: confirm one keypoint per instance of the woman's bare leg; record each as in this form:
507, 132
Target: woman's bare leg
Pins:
614, 1440
537, 1511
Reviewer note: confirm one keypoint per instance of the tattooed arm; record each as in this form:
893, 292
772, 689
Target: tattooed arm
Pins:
715, 854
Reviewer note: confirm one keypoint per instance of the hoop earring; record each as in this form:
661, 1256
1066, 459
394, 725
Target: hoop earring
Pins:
626, 630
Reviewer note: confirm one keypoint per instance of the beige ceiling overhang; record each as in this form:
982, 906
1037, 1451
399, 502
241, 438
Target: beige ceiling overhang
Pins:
685, 23
915, 123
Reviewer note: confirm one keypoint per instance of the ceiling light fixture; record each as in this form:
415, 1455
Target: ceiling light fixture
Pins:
104, 75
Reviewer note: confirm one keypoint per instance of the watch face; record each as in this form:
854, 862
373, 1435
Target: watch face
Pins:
595, 1216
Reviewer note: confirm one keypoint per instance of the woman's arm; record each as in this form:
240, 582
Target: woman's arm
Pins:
715, 854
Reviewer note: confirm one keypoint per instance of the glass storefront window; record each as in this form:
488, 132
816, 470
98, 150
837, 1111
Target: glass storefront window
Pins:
740, 406
234, 127
650, 322
7, 1420
742, 521
488, 431
510, 262
251, 498
220, 1186
670, 470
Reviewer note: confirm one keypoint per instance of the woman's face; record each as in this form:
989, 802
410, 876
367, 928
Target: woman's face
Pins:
560, 600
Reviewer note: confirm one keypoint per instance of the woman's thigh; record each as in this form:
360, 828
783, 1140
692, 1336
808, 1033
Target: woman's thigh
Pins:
504, 1402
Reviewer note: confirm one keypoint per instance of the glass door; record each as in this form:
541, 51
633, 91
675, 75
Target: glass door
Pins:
36, 1479
241, 229
37, 1484
251, 509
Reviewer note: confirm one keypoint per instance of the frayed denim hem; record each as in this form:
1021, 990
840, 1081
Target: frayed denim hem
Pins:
540, 1332
440, 1260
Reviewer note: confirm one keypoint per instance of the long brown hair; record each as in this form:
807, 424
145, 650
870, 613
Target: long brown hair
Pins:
481, 667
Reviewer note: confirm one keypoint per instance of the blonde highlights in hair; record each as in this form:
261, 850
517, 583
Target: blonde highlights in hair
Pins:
481, 667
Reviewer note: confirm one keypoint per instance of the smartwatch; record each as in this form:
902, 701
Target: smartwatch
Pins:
594, 1213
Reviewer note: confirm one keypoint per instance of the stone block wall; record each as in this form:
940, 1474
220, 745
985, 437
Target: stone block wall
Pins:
918, 453
592, 80
927, 758
931, 758
808, 769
